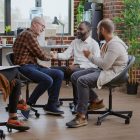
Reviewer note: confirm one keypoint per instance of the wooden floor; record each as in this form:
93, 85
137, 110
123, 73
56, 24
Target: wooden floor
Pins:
53, 128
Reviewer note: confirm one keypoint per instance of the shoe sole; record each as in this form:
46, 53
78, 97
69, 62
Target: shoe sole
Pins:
80, 125
17, 127
96, 108
53, 113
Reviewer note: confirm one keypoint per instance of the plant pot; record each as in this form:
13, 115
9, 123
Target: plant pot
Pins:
132, 88
10, 33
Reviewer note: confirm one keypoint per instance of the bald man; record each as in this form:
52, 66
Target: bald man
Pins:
26, 52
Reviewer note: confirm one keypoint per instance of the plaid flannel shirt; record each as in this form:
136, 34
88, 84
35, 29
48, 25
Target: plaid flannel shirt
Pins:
27, 49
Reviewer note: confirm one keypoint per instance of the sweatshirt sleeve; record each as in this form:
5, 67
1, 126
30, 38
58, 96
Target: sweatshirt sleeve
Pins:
111, 55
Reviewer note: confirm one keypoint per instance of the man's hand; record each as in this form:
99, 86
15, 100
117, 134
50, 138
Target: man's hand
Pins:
53, 54
86, 53
72, 67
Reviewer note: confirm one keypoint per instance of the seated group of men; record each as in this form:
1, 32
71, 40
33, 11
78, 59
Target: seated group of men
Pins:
91, 68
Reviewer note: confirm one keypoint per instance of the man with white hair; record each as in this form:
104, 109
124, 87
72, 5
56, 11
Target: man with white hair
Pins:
26, 52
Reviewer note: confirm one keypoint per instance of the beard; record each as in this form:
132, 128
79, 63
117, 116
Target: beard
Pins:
81, 35
100, 36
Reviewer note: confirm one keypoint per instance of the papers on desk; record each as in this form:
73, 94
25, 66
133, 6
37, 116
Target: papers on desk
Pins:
8, 67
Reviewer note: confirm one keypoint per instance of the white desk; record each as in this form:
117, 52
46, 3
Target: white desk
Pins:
46, 46
8, 48
8, 67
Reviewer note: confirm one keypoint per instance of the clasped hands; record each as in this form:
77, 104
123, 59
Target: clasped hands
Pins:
54, 54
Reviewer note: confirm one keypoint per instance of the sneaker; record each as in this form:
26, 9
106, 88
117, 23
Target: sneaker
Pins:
53, 109
78, 121
23, 106
96, 105
14, 123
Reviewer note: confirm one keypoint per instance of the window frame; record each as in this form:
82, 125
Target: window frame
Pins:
7, 15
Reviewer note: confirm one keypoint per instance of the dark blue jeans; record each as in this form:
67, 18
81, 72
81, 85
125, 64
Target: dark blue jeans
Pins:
47, 79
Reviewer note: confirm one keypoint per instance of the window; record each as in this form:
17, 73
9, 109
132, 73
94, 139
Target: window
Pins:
59, 9
20, 13
2, 16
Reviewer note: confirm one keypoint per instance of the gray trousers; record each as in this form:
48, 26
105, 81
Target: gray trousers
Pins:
93, 95
85, 80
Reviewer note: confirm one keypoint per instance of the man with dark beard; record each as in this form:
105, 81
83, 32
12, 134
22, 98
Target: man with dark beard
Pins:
75, 50
113, 61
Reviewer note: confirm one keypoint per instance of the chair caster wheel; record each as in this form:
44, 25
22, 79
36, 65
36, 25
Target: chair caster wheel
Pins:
2, 135
71, 105
87, 116
127, 121
37, 115
9, 129
130, 115
6, 109
60, 103
98, 122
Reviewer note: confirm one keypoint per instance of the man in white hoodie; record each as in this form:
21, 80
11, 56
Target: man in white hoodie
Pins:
75, 50
113, 60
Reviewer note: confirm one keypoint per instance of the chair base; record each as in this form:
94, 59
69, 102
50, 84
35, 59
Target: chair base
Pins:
122, 114
72, 108
36, 112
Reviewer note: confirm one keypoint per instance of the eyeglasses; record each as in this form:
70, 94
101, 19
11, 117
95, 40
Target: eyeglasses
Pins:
43, 26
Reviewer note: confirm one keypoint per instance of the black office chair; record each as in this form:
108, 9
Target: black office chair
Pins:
25, 82
116, 82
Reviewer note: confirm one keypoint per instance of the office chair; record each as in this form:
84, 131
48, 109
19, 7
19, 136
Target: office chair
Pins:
25, 82
2, 135
116, 82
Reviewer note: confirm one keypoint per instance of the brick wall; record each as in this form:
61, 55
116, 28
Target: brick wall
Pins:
112, 8
9, 40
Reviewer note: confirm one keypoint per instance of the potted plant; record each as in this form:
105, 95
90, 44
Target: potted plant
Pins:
129, 24
80, 11
8, 30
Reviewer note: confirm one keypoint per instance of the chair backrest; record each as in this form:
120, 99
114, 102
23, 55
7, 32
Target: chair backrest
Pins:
10, 58
123, 76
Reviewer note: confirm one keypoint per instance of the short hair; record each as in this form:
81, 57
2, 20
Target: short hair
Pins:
107, 24
88, 25
37, 19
